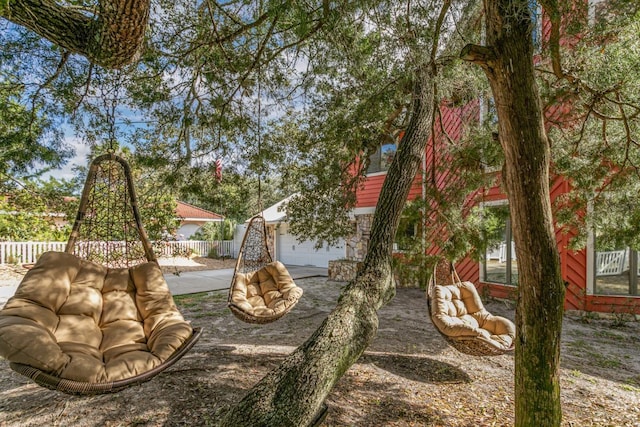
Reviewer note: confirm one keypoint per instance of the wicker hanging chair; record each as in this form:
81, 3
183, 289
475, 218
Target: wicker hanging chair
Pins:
262, 290
98, 317
458, 314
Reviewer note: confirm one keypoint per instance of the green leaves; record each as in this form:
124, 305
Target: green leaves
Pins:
26, 137
35, 211
595, 142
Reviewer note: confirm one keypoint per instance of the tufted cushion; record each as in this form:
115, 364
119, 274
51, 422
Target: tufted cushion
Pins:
81, 321
266, 292
458, 311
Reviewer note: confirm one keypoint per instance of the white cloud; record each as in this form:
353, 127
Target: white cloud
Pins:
81, 149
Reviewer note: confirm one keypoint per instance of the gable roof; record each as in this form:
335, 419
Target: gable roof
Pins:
190, 212
276, 213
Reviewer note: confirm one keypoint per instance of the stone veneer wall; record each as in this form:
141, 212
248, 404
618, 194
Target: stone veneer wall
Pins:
358, 243
345, 270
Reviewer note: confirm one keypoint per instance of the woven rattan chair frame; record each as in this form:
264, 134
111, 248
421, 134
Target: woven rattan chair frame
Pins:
253, 255
108, 228
468, 345
109, 182
254, 249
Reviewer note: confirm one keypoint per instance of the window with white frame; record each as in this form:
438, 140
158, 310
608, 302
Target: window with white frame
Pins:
500, 264
382, 158
616, 268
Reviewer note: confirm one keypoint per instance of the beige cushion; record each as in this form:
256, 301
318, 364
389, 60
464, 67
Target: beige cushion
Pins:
458, 311
267, 292
81, 321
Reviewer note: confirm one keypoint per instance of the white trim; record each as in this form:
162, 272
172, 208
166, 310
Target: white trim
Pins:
592, 11
273, 214
481, 276
590, 288
500, 202
591, 255
376, 174
364, 211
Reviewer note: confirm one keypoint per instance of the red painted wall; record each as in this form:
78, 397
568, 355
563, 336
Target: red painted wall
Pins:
573, 264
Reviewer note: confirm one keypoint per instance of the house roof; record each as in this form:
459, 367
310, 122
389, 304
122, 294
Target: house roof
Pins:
187, 211
275, 213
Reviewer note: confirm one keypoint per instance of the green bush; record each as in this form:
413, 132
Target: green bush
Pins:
215, 231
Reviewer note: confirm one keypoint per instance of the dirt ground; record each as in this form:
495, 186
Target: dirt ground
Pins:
408, 377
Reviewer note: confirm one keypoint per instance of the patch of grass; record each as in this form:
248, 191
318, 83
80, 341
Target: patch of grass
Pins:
217, 296
608, 363
579, 344
609, 335
218, 313
620, 320
190, 299
629, 387
589, 354
588, 317
634, 381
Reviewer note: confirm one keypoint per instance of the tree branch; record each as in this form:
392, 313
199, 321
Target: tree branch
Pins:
555, 18
481, 55
112, 38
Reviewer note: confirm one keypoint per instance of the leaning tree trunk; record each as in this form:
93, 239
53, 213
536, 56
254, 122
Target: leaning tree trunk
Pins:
293, 393
508, 63
112, 38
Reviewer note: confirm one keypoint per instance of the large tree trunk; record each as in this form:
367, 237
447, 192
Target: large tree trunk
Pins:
508, 63
293, 393
112, 38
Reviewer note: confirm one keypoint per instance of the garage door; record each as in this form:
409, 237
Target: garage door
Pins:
290, 252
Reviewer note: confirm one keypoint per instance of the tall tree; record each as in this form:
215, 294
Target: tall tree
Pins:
293, 393
507, 59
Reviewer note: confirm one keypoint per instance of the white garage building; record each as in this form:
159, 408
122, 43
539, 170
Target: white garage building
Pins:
285, 247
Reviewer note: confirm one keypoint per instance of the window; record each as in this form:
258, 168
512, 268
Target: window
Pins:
616, 269
500, 263
382, 158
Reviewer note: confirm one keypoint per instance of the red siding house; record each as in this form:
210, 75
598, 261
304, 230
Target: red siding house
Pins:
599, 281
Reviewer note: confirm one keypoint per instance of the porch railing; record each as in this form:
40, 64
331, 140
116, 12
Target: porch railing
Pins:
28, 252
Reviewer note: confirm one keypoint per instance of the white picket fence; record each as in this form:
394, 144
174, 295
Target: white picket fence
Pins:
612, 263
28, 252
200, 247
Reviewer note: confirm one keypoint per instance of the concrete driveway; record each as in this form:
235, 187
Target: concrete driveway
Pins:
192, 282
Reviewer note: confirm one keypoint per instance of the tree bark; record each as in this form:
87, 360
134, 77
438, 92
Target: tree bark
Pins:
112, 37
508, 63
292, 394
